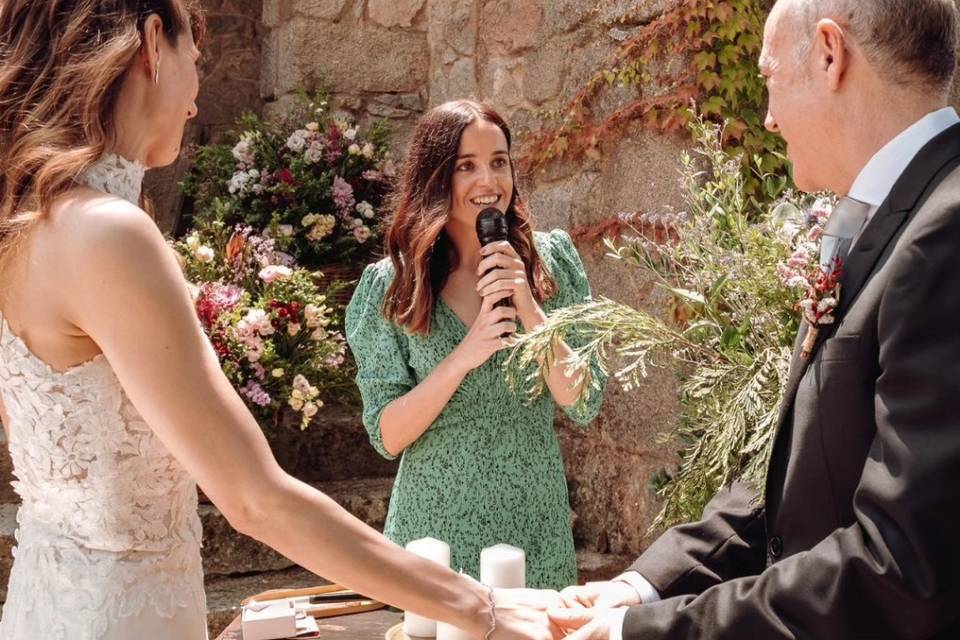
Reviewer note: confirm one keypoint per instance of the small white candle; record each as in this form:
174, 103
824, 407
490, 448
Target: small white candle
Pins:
449, 632
504, 567
435, 551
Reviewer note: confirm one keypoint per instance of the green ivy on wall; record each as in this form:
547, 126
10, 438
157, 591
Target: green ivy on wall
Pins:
702, 51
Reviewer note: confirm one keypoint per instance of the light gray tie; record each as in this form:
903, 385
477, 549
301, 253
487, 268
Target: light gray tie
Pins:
842, 230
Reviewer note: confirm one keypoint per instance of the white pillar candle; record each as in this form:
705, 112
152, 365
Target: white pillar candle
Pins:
435, 551
503, 566
449, 632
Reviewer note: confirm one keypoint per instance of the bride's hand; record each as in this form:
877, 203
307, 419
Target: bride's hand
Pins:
522, 614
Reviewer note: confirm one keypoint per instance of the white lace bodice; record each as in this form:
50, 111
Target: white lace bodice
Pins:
109, 535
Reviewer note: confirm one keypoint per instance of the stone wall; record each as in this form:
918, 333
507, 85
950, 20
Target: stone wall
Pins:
394, 59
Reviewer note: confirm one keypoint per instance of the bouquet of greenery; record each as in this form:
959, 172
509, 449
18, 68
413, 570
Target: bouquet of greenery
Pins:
266, 319
730, 266
316, 181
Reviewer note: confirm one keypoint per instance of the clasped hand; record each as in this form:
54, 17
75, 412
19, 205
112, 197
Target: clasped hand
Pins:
587, 612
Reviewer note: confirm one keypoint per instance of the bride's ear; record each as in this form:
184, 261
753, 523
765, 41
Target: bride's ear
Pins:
150, 49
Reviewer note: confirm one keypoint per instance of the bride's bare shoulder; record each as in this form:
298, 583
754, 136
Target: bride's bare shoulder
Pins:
89, 227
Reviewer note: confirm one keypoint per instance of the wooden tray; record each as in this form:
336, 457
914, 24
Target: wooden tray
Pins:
319, 610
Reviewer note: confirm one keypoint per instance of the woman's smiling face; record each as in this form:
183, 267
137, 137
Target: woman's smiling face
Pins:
482, 175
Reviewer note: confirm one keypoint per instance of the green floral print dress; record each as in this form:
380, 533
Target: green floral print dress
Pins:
489, 469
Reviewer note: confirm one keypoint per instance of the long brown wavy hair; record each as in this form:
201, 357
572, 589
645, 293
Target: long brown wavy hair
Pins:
416, 243
61, 66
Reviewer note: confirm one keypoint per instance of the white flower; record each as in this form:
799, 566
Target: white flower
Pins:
300, 383
314, 153
243, 151
293, 328
368, 150
295, 403
297, 394
313, 127
275, 272
309, 219
362, 234
365, 209
285, 230
277, 373
314, 316
354, 149
238, 183
204, 254
319, 334
297, 140
193, 241
350, 134
310, 409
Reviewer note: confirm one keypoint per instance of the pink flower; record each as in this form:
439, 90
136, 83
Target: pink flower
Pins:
342, 194
362, 234
275, 272
215, 299
255, 393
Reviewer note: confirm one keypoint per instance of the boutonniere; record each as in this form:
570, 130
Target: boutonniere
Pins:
818, 284
820, 302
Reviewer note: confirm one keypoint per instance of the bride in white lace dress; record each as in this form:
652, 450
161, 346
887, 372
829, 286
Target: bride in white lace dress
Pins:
112, 399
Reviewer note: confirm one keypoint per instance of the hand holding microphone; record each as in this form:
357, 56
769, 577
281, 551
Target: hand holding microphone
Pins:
501, 269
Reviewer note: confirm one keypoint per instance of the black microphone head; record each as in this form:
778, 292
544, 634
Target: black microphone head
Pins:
491, 226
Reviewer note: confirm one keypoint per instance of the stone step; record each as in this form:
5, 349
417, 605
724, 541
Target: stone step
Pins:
227, 552
224, 593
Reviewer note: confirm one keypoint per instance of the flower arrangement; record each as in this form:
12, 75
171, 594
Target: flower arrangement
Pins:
733, 270
267, 321
316, 180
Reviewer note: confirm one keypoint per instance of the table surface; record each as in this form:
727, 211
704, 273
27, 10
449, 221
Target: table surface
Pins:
358, 626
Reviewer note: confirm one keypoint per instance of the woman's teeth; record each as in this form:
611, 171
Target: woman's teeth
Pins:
485, 200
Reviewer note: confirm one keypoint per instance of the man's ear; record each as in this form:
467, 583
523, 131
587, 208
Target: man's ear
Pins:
830, 52
150, 49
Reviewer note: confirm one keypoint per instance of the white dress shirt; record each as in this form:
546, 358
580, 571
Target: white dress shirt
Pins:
872, 186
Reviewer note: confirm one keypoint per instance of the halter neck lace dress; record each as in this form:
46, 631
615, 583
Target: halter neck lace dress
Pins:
108, 546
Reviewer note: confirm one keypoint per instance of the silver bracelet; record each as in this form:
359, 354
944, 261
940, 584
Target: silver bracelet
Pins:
493, 614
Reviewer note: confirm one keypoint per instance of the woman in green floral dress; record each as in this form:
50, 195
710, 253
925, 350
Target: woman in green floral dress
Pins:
480, 464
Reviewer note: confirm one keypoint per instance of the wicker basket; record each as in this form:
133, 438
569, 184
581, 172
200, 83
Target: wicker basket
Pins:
343, 277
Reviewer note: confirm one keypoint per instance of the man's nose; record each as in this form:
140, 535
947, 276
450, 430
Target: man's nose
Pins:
770, 123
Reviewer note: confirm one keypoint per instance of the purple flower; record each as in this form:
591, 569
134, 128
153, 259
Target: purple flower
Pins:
255, 393
342, 194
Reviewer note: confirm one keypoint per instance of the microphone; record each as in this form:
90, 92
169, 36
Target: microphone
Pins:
492, 227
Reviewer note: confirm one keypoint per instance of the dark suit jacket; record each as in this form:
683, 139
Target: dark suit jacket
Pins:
860, 533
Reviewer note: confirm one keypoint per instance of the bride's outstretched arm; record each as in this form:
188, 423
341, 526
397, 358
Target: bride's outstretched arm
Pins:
127, 292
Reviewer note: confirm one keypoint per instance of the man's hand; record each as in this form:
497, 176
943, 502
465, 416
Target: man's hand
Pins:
602, 595
522, 614
587, 624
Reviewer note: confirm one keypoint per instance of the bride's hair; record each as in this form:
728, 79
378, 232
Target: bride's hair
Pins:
61, 66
